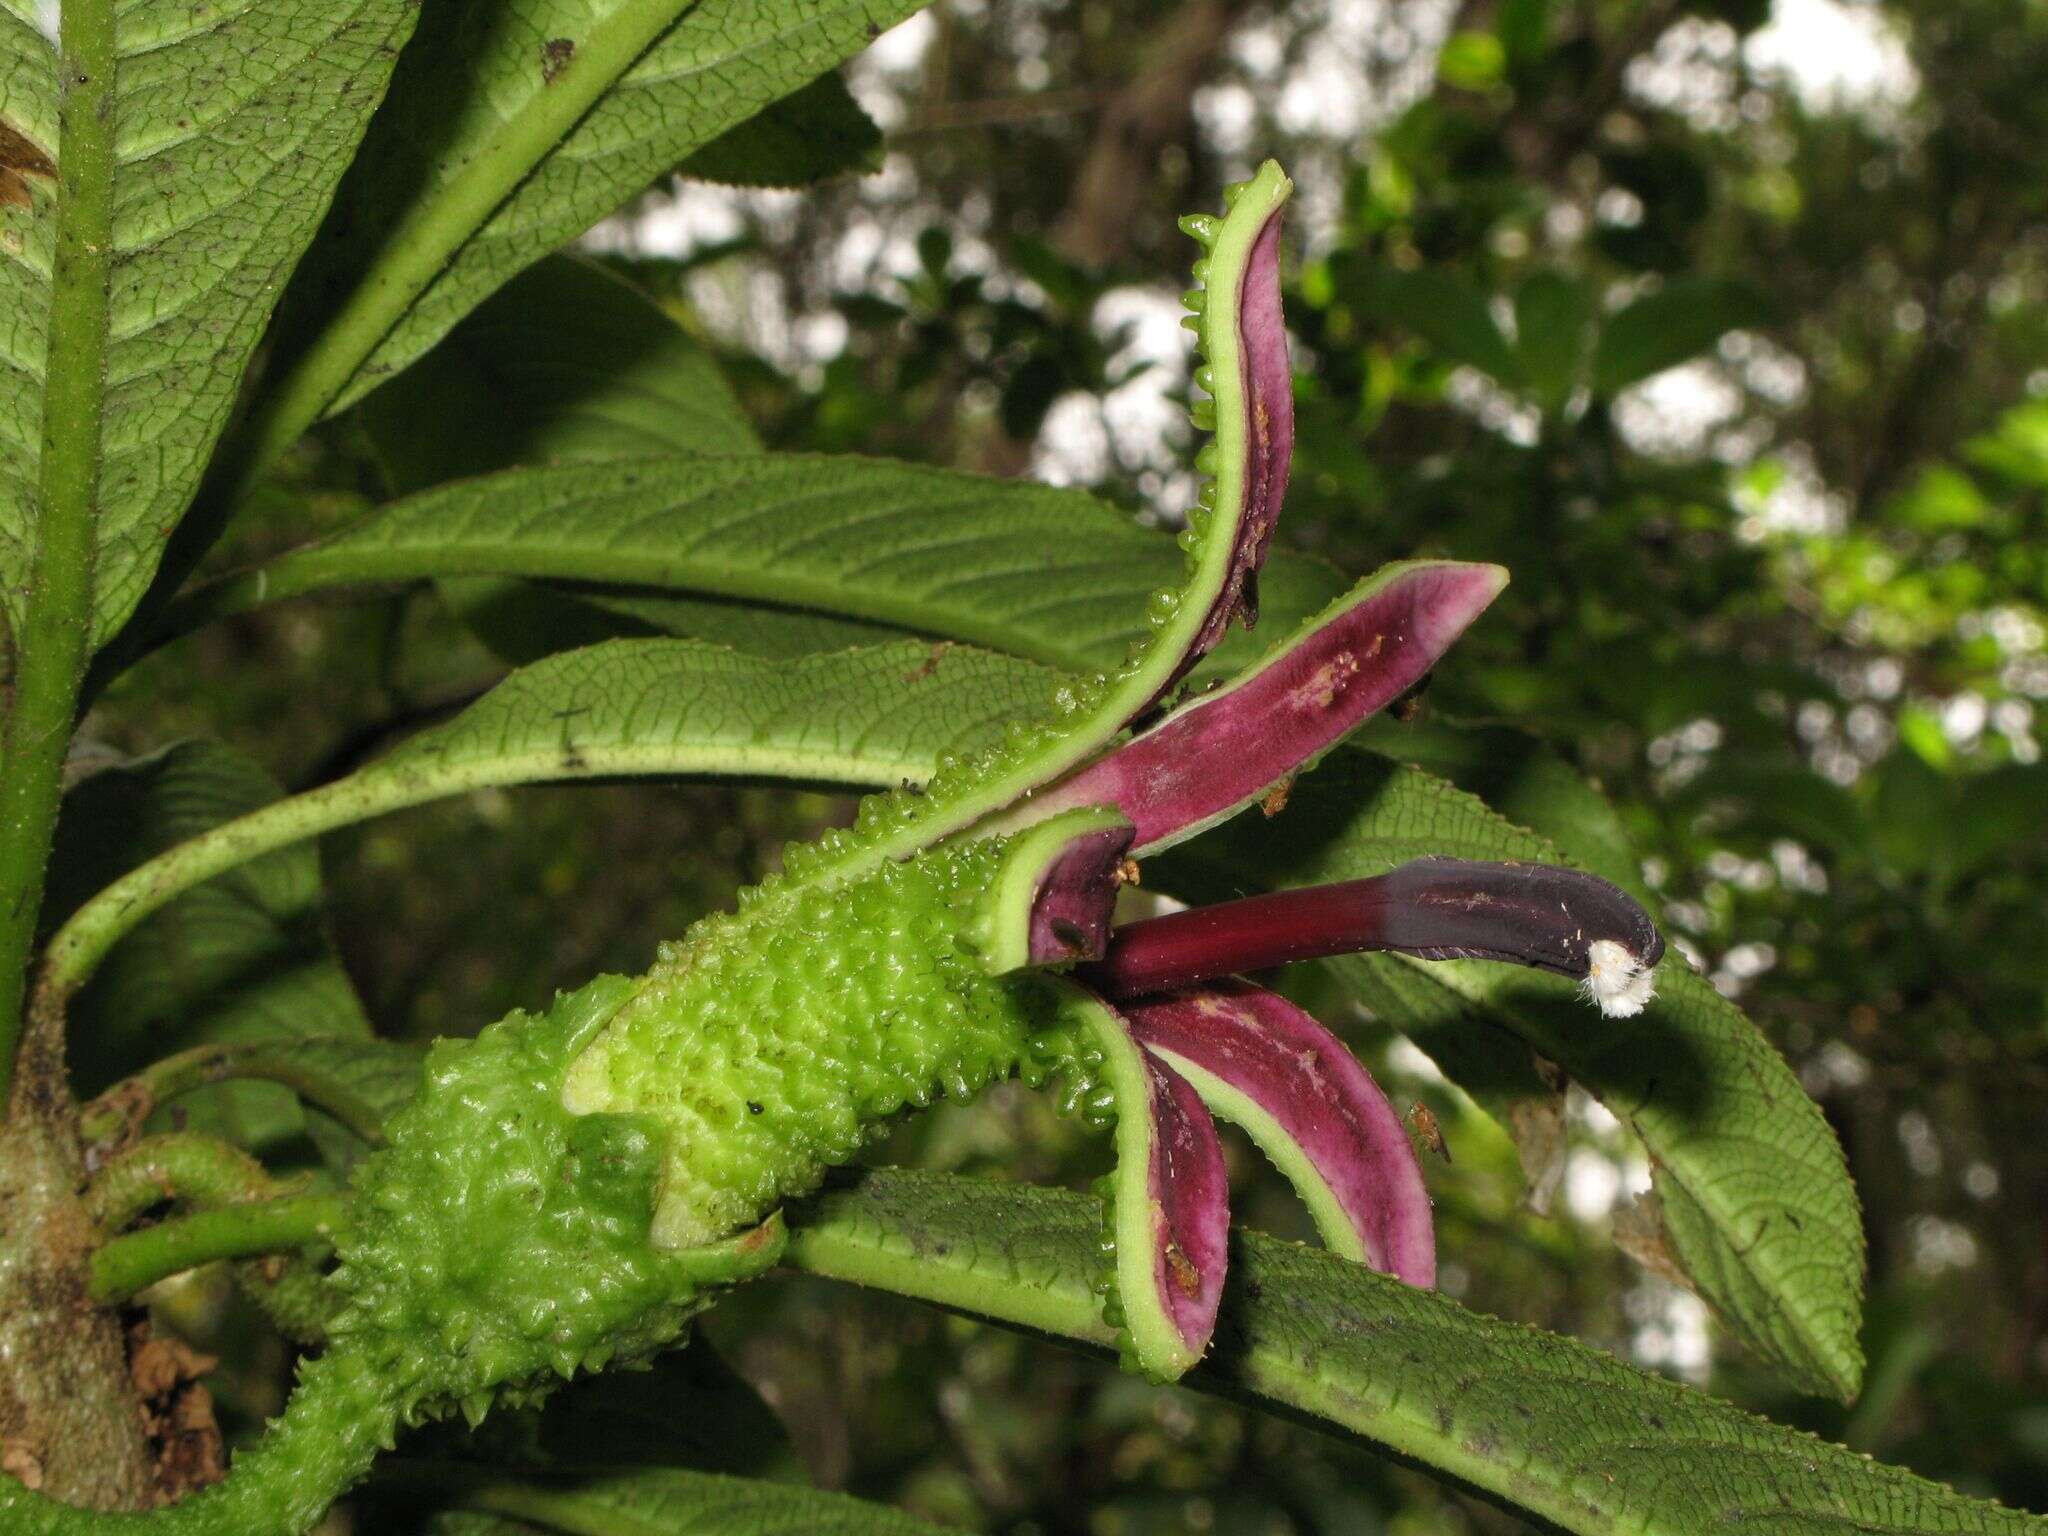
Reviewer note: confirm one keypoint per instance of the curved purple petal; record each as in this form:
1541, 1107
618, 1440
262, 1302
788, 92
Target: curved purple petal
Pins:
1265, 398
1170, 1204
1210, 759
1076, 897
1053, 894
1262, 1063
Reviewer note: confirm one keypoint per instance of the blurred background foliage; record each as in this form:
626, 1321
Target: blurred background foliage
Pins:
1725, 326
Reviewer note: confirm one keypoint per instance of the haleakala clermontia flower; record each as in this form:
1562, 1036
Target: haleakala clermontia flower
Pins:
571, 1187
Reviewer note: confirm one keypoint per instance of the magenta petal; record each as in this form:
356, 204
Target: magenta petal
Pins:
1189, 1193
1169, 1201
1211, 758
1076, 897
1268, 395
1051, 897
1266, 1065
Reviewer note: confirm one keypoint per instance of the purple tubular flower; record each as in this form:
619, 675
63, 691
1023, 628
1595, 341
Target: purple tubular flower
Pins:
1211, 758
1172, 1032
1434, 908
1265, 1065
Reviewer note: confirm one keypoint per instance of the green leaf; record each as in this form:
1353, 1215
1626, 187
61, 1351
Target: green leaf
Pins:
1538, 1423
513, 128
757, 631
1447, 313
1671, 325
1521, 777
241, 957
522, 621
566, 362
1044, 573
1761, 1213
818, 133
1552, 314
231, 127
870, 718
669, 1503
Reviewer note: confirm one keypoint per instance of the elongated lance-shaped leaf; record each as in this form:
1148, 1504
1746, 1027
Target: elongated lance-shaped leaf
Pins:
511, 130
1167, 1203
1050, 574
1056, 892
629, 707
1760, 1211
1210, 759
1538, 1423
230, 127
1266, 1066
1542, 915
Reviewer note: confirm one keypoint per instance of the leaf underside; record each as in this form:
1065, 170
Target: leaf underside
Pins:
473, 69
230, 137
1048, 574
874, 716
1537, 1422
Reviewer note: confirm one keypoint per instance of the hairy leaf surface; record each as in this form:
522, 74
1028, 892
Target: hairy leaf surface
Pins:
1537, 1422
482, 105
1048, 574
233, 125
1772, 1236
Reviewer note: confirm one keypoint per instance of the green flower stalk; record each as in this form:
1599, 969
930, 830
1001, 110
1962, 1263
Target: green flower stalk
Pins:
571, 1187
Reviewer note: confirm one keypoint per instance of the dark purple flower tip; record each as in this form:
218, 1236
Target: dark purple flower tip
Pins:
1211, 758
1538, 915
1169, 1210
1055, 893
1265, 1065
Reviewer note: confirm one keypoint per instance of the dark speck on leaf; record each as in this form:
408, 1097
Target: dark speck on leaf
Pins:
555, 55
753, 1108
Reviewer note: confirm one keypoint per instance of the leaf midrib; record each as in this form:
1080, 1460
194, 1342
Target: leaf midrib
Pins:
430, 236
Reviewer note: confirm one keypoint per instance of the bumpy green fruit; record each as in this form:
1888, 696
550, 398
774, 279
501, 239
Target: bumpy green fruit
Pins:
769, 1046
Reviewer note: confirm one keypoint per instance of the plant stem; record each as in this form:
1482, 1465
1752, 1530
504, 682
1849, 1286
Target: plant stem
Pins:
128, 1264
180, 1166
50, 651
129, 1100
